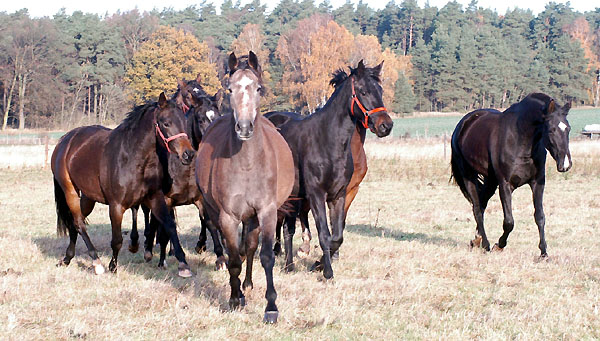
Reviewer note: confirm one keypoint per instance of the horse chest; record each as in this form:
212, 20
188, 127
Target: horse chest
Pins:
521, 172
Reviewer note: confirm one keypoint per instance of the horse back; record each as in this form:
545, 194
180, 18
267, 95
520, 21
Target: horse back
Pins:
474, 135
76, 158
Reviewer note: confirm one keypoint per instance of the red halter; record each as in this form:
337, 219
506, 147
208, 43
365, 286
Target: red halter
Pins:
362, 108
167, 140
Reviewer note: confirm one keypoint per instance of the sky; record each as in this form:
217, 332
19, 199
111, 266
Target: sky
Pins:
39, 8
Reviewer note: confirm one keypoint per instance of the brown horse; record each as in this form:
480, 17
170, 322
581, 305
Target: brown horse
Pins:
245, 171
119, 168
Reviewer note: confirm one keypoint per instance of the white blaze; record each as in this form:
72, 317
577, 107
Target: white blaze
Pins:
196, 90
562, 126
567, 162
244, 82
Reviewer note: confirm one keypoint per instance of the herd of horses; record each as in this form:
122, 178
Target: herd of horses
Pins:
238, 166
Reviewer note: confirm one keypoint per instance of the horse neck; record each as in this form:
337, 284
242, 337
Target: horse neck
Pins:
249, 151
142, 138
530, 129
334, 120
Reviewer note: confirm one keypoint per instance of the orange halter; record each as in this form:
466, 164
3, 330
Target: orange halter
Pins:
167, 140
362, 108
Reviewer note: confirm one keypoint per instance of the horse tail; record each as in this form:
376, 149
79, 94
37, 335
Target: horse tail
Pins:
65, 220
457, 161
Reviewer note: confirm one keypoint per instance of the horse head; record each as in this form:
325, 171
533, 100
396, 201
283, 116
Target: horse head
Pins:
245, 83
170, 129
556, 134
366, 101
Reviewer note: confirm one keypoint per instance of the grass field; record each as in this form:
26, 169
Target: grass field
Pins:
440, 125
405, 270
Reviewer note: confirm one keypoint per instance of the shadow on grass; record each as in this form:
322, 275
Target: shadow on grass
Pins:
203, 283
383, 232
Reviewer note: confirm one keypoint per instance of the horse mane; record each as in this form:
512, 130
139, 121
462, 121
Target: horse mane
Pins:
133, 118
339, 76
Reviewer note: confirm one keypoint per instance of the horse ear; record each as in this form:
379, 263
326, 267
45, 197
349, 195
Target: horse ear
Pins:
360, 69
551, 107
567, 106
378, 68
218, 97
199, 78
232, 62
253, 61
162, 100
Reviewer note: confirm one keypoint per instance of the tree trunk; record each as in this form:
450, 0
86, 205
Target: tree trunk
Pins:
89, 103
95, 103
410, 36
8, 101
62, 110
22, 88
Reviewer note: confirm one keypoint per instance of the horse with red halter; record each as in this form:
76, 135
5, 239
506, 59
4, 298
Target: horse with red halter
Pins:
245, 171
381, 127
321, 146
506, 150
180, 186
120, 168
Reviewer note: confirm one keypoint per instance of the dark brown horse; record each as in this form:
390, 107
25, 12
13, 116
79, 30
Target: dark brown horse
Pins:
119, 168
506, 150
180, 186
245, 171
321, 146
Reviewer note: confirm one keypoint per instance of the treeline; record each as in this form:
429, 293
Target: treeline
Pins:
82, 68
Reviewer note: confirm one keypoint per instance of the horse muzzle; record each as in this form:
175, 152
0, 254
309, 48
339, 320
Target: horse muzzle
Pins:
384, 129
565, 165
187, 157
244, 129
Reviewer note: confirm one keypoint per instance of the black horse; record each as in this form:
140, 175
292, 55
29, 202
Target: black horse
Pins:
321, 146
506, 150
180, 185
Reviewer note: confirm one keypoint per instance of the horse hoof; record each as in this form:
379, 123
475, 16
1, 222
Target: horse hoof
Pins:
221, 264
497, 248
475, 242
134, 248
98, 268
336, 255
270, 317
317, 266
247, 286
63, 262
290, 267
242, 301
184, 271
543, 258
112, 266
147, 256
277, 249
200, 248
304, 251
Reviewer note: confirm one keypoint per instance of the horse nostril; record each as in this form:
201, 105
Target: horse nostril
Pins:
188, 155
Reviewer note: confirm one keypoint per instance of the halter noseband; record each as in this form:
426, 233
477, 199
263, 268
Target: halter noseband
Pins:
355, 99
167, 140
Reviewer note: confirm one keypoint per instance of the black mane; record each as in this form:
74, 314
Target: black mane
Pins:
133, 118
340, 76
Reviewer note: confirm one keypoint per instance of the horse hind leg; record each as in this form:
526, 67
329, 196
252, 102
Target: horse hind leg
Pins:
480, 240
70, 217
134, 239
304, 249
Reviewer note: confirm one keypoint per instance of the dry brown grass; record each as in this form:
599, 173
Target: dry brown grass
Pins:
405, 270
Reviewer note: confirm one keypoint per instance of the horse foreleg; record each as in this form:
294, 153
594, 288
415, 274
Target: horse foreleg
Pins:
267, 219
289, 229
161, 211
277, 245
509, 223
229, 228
163, 239
537, 188
251, 243
134, 238
149, 233
317, 206
337, 216
116, 218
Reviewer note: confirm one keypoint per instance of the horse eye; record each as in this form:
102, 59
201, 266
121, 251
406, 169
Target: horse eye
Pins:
363, 92
258, 89
229, 89
166, 124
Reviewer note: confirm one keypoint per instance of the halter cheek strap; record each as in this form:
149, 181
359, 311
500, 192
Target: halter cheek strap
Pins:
167, 140
355, 99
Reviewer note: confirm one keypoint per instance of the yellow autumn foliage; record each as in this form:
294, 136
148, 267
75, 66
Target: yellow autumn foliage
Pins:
170, 54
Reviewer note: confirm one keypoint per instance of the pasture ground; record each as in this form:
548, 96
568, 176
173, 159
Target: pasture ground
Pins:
405, 268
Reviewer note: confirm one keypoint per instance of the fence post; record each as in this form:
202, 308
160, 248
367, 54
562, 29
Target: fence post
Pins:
46, 149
